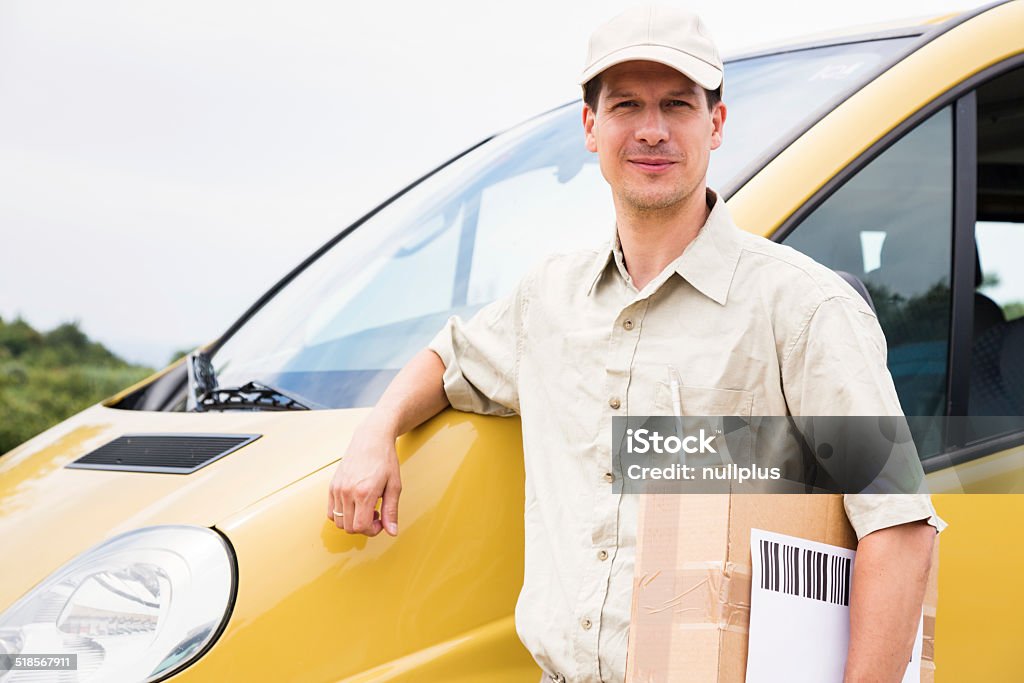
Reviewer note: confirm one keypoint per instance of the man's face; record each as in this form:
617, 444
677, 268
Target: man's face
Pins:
653, 134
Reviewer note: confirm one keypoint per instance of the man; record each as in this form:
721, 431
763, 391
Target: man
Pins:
753, 328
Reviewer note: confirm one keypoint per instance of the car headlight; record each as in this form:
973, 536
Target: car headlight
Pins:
134, 608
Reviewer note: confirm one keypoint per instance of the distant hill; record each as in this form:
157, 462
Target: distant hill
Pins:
48, 376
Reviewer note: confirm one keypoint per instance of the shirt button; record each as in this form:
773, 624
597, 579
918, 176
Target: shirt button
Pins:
628, 325
602, 555
609, 477
586, 624
614, 403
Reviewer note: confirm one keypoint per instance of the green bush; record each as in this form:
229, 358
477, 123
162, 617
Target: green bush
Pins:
47, 377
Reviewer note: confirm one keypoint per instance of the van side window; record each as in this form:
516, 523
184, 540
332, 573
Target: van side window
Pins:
997, 354
891, 225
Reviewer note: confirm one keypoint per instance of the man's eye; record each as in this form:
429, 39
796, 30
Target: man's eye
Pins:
678, 103
627, 103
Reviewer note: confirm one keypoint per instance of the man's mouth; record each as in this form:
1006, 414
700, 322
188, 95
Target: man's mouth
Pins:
652, 164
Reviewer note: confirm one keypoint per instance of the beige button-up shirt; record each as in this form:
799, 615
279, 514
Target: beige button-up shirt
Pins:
753, 327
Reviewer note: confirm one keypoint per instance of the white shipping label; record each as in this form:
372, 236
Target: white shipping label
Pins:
800, 611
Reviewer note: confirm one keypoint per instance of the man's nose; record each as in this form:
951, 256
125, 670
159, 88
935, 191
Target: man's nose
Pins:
652, 129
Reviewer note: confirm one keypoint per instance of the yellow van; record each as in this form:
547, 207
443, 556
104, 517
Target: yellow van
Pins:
178, 529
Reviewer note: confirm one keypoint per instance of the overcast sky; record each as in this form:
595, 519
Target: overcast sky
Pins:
163, 163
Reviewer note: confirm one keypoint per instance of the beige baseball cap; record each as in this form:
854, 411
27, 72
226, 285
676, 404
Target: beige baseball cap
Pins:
656, 33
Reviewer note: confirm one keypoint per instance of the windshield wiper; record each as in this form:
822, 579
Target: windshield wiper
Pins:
254, 395
204, 394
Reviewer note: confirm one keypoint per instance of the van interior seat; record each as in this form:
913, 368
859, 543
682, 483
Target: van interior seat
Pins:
997, 370
987, 313
1011, 365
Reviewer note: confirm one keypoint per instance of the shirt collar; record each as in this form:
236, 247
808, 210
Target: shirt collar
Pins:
708, 262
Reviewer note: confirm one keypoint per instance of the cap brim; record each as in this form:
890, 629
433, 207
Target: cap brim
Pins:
705, 75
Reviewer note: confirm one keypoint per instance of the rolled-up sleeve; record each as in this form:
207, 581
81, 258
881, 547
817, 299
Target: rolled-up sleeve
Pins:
836, 365
481, 356
870, 512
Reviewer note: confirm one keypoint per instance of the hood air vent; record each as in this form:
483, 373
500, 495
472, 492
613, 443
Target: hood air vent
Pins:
167, 453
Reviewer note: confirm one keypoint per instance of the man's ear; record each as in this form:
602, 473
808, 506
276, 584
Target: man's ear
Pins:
589, 119
718, 124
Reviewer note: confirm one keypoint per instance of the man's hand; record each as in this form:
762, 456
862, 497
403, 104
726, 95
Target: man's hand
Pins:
367, 473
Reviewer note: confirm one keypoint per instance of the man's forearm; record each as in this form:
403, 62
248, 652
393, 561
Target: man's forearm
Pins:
415, 395
369, 470
889, 580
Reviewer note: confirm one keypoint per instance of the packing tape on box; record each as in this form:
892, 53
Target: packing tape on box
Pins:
705, 595
675, 611
715, 595
928, 638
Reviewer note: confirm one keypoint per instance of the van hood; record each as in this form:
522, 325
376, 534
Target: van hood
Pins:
49, 513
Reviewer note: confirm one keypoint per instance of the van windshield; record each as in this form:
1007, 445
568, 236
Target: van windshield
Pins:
340, 330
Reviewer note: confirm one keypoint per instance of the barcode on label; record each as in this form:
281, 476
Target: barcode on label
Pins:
805, 573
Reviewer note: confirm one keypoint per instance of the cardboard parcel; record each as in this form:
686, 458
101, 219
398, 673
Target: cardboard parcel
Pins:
692, 586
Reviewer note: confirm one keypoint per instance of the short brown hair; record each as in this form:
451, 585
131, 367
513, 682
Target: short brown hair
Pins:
592, 89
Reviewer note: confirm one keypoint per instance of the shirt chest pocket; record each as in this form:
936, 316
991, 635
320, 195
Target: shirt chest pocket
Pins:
701, 401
